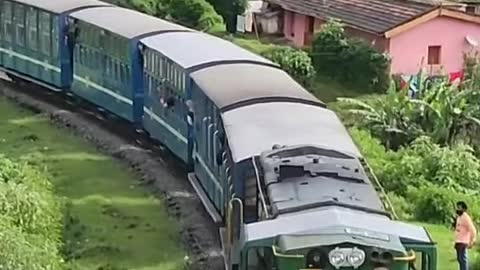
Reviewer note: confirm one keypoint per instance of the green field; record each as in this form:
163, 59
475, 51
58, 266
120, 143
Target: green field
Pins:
115, 222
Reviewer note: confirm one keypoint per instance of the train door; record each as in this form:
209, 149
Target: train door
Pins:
210, 155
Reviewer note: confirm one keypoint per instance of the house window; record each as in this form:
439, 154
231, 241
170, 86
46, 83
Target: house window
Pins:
470, 9
434, 55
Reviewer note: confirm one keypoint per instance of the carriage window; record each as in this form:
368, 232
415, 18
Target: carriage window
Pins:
45, 41
7, 20
20, 24
55, 36
32, 28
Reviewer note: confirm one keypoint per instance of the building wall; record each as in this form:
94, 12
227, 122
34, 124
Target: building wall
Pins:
298, 23
409, 48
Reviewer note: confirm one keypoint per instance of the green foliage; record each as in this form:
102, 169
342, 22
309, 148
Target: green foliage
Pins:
229, 9
455, 168
443, 112
194, 13
423, 180
295, 62
30, 217
387, 117
349, 60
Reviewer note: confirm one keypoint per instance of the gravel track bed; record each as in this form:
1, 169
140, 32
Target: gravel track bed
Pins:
156, 170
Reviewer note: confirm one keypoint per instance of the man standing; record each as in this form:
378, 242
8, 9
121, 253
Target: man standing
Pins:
465, 234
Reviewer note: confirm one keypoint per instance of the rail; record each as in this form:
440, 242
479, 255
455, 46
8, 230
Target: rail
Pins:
259, 186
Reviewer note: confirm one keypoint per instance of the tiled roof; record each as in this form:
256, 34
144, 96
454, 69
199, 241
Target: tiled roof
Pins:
375, 16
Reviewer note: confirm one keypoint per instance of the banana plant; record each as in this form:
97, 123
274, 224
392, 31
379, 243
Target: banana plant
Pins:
443, 112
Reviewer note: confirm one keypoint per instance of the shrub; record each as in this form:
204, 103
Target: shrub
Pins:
403, 207
295, 62
433, 203
30, 217
194, 13
349, 60
454, 168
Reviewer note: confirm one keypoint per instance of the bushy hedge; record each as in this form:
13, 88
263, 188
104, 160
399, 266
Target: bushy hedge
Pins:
295, 62
195, 13
30, 219
351, 61
424, 180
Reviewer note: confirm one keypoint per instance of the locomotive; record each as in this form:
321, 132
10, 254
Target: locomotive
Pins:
276, 170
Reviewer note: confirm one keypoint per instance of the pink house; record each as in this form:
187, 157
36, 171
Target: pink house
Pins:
415, 35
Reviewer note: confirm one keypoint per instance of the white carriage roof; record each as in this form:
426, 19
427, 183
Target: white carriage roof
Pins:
207, 49
319, 219
256, 128
229, 84
125, 22
61, 6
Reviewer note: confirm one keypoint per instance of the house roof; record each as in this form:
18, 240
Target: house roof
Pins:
373, 16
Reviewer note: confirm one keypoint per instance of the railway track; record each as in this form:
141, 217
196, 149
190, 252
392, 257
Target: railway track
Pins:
156, 168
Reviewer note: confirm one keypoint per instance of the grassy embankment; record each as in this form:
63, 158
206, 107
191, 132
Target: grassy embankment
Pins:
119, 224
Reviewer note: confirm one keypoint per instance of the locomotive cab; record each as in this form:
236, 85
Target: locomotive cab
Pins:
319, 210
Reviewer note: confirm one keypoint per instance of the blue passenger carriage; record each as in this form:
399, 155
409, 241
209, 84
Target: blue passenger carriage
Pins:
32, 39
171, 94
108, 62
238, 96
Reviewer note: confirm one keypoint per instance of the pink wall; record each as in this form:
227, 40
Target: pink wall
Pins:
296, 22
408, 49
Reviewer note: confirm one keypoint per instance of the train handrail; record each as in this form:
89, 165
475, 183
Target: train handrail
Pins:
229, 217
410, 257
382, 190
278, 254
259, 186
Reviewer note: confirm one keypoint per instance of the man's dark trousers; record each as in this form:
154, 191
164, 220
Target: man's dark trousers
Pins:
461, 249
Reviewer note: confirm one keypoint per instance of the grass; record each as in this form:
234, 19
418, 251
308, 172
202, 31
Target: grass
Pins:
118, 223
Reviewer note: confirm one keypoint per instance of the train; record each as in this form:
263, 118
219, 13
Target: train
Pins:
274, 167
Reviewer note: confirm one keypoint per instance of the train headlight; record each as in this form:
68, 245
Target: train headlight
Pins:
356, 258
336, 258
